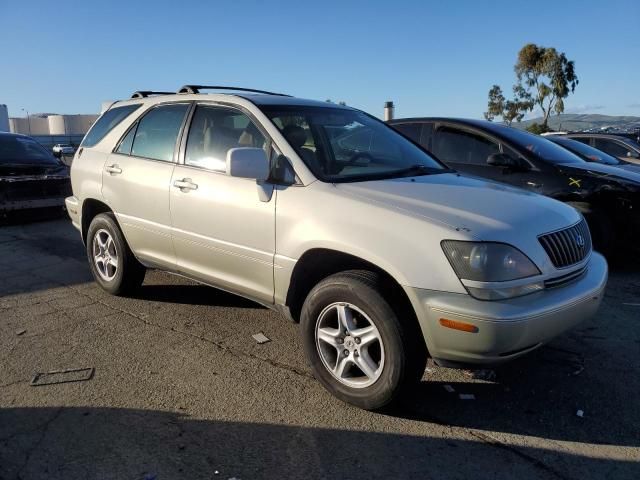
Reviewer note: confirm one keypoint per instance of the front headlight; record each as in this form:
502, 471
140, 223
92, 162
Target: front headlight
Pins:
482, 265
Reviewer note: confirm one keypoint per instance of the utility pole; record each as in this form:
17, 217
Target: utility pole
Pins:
28, 120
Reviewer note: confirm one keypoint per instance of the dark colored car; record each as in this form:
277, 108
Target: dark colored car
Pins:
590, 154
618, 146
30, 176
608, 196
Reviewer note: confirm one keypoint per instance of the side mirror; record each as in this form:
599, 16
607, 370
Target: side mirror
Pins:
502, 160
248, 163
631, 154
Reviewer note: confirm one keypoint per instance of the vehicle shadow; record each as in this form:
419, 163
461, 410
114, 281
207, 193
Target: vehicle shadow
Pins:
193, 294
92, 443
558, 392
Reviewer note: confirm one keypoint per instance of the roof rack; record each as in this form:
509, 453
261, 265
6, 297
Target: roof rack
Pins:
197, 88
147, 93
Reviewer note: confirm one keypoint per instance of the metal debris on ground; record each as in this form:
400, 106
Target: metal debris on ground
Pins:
21, 332
62, 376
467, 396
580, 413
483, 374
261, 338
449, 388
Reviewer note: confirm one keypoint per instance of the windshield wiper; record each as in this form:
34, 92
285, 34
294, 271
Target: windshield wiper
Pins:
419, 169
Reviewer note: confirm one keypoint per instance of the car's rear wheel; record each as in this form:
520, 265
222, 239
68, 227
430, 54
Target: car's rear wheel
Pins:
113, 265
356, 344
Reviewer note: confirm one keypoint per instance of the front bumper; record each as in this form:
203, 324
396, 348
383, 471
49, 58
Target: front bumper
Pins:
510, 328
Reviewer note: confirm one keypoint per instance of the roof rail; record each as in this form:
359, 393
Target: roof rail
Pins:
147, 93
197, 88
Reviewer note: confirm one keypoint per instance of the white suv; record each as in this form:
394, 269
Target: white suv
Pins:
328, 215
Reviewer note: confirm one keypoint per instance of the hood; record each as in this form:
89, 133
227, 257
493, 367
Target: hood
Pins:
485, 210
11, 170
630, 167
626, 173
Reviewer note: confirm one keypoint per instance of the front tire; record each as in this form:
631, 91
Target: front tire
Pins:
113, 265
355, 342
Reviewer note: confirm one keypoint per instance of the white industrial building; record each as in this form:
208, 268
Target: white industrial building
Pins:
51, 124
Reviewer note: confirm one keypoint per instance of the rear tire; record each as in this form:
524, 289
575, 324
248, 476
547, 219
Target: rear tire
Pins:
113, 265
371, 335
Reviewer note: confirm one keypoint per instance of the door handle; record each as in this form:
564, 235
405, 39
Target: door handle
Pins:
113, 169
534, 185
185, 185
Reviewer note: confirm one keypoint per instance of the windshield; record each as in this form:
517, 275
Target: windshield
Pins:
540, 147
18, 150
341, 145
586, 152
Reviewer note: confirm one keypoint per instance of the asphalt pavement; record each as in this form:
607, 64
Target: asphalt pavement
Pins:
180, 389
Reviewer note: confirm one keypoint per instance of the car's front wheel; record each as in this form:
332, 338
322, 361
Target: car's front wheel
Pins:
356, 344
113, 265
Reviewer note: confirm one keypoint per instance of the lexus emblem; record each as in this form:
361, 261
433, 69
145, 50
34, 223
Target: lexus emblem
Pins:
580, 241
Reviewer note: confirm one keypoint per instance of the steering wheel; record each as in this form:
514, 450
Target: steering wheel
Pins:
366, 158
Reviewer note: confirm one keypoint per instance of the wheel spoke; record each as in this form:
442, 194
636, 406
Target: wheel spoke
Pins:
366, 364
345, 318
366, 335
113, 262
341, 364
329, 336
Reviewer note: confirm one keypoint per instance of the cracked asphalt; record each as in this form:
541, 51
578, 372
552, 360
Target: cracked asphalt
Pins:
182, 390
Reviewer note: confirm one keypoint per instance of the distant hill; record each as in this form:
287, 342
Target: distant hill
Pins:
574, 121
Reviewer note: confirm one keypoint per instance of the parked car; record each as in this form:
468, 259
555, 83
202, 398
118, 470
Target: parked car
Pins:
63, 149
609, 197
618, 146
30, 177
329, 216
590, 154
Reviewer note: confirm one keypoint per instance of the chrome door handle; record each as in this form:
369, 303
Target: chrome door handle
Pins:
113, 169
185, 185
534, 185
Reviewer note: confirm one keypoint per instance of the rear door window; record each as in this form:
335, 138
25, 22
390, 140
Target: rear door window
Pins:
158, 131
107, 122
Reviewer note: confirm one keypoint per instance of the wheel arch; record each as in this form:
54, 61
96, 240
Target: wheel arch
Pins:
90, 208
317, 264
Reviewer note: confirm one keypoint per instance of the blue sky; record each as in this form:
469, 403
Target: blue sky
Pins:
431, 58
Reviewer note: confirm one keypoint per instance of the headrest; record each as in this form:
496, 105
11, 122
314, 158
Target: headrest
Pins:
297, 136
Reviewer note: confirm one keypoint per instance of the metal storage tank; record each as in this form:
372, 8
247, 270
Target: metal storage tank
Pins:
4, 118
57, 125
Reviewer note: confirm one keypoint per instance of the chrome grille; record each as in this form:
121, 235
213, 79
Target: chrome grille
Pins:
569, 246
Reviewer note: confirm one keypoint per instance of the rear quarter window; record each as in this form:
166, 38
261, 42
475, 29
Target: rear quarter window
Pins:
107, 122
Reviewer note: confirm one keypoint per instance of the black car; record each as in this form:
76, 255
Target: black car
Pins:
590, 154
619, 146
608, 196
31, 178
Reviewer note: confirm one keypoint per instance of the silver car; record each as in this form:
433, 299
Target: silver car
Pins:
326, 214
